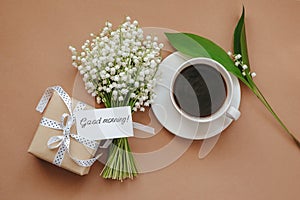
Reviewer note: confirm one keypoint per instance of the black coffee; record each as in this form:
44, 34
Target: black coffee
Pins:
199, 90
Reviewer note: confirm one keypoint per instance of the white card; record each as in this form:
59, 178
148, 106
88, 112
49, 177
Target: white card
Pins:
104, 123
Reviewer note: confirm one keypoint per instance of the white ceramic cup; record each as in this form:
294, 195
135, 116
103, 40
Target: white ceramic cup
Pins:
226, 108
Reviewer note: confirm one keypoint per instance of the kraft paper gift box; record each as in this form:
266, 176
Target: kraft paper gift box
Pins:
54, 110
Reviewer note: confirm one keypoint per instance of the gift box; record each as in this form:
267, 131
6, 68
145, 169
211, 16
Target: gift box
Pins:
56, 140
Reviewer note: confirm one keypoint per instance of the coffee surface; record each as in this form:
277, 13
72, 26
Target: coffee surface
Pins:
199, 90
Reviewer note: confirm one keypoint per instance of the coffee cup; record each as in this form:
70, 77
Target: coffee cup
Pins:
201, 90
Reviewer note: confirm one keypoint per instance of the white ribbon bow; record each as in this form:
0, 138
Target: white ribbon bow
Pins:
56, 141
62, 142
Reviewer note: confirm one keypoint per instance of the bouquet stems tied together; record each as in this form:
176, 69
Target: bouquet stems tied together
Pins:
120, 164
119, 69
237, 63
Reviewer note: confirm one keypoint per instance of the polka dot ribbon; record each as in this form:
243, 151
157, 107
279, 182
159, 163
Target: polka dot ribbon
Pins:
62, 142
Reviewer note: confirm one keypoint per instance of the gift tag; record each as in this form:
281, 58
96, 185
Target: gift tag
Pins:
104, 123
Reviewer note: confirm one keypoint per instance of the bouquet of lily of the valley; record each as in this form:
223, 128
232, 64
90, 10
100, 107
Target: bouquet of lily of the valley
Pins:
118, 69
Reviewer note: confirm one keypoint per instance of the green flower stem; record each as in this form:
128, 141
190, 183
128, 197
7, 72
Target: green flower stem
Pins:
261, 97
120, 164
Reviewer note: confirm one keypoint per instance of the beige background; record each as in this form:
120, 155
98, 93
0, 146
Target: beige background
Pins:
254, 158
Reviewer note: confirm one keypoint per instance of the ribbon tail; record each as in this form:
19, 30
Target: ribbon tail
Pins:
60, 155
142, 127
48, 94
88, 143
85, 163
58, 140
106, 144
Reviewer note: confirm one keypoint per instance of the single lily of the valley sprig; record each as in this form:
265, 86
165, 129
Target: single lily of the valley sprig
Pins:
242, 61
237, 63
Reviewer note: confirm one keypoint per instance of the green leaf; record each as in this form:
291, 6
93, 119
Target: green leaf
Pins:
240, 41
187, 45
240, 47
197, 46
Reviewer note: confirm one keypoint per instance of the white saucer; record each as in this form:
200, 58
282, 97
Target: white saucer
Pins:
171, 119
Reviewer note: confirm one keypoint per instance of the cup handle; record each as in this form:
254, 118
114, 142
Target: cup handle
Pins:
233, 113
